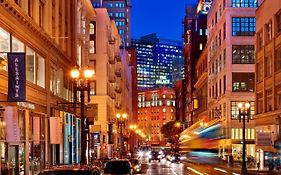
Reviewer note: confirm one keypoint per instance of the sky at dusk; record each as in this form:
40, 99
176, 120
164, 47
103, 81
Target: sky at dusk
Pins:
163, 17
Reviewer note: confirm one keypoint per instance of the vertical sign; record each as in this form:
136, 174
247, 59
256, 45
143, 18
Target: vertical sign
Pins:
55, 130
12, 125
36, 130
16, 76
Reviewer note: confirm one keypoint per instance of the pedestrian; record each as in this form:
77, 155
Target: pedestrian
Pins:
258, 166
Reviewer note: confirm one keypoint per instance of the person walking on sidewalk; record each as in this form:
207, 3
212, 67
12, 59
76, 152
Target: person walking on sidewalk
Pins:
258, 166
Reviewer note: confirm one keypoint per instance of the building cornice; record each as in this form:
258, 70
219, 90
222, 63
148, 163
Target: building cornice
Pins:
15, 11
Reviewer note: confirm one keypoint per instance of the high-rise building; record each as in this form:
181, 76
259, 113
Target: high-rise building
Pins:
231, 71
158, 61
268, 79
195, 38
120, 12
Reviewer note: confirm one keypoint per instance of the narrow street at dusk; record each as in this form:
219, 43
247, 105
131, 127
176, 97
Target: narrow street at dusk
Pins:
152, 87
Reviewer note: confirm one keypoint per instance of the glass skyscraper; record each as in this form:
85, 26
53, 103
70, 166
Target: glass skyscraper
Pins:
159, 61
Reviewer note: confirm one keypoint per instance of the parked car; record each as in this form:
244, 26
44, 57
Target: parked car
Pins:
154, 155
71, 170
136, 165
121, 166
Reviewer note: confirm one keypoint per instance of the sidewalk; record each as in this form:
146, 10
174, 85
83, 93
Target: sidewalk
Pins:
223, 164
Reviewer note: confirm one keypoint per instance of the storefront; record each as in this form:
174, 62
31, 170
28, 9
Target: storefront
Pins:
22, 138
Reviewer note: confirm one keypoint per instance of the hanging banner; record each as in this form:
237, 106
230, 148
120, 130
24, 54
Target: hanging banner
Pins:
11, 120
55, 130
16, 76
36, 130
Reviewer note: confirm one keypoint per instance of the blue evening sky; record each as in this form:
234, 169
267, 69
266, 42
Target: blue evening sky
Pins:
163, 17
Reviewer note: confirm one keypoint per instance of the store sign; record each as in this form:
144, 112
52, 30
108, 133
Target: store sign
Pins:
16, 77
55, 130
26, 105
11, 120
264, 139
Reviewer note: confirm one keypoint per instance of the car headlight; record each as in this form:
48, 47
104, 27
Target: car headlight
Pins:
140, 154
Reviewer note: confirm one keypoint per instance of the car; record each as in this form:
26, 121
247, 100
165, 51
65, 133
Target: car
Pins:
154, 155
71, 171
136, 165
176, 158
121, 166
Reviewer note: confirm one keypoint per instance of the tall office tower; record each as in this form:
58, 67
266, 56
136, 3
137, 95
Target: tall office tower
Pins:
195, 38
120, 12
156, 58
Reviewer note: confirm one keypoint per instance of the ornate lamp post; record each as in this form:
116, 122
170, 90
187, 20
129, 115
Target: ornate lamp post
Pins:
81, 83
244, 111
133, 127
121, 119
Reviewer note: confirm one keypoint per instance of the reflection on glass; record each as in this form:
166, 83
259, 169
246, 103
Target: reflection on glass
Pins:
41, 71
17, 45
30, 65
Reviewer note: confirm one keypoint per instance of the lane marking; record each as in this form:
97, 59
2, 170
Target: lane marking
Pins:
235, 174
173, 171
221, 170
195, 171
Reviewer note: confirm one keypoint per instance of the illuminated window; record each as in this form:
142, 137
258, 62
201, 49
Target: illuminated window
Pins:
201, 46
164, 109
164, 96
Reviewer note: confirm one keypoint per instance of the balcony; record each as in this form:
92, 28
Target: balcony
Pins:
111, 79
118, 58
118, 104
118, 72
118, 89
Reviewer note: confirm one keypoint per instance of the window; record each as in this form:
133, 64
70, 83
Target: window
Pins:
224, 84
4, 46
235, 110
41, 13
268, 28
201, 46
269, 100
259, 40
109, 5
224, 31
40, 71
278, 96
93, 85
200, 32
259, 70
268, 65
278, 22
35, 68
243, 82
244, 3
259, 103
17, 45
30, 8
278, 59
245, 26
243, 54
30, 65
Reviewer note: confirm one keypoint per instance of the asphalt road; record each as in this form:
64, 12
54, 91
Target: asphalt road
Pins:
186, 168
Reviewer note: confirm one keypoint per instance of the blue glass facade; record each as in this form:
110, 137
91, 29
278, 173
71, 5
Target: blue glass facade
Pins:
159, 61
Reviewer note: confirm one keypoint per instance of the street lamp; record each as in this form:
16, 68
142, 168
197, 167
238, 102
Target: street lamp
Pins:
121, 119
244, 111
81, 83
